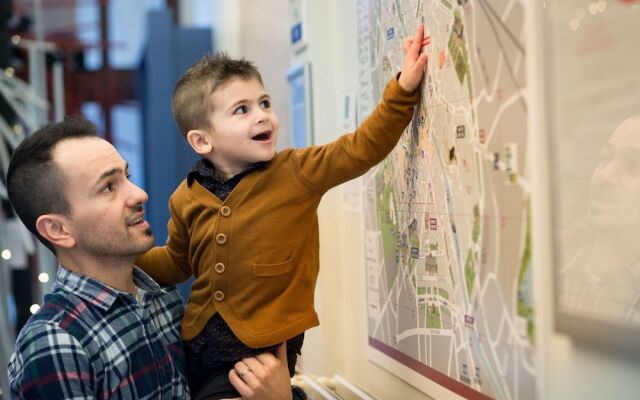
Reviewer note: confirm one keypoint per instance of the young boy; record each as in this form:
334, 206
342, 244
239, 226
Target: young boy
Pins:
244, 221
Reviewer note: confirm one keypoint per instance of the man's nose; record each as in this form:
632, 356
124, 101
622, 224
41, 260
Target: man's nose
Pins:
137, 195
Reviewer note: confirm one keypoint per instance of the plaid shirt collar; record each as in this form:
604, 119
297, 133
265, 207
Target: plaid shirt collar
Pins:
96, 292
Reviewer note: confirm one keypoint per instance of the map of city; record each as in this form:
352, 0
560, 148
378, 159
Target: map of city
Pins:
447, 227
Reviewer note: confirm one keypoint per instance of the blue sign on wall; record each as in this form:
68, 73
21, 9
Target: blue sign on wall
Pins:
299, 97
296, 33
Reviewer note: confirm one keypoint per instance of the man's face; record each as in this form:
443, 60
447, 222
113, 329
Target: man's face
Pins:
243, 126
107, 218
615, 184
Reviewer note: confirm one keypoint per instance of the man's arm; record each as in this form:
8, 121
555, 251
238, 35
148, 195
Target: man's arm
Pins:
263, 377
49, 363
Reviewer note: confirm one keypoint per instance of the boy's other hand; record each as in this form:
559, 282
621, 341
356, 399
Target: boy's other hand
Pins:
263, 377
414, 61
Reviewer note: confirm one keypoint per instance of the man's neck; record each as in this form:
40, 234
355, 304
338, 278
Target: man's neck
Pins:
116, 273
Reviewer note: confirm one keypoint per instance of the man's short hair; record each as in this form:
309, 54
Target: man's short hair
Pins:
34, 181
191, 103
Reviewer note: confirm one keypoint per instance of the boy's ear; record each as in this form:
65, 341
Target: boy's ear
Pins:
55, 229
200, 141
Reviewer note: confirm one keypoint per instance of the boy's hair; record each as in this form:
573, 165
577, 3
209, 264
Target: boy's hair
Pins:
191, 103
34, 181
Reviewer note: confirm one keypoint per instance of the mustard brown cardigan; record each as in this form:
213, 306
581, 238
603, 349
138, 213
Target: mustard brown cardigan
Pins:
255, 255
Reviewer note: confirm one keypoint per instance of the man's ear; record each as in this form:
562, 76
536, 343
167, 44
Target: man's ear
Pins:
54, 228
200, 141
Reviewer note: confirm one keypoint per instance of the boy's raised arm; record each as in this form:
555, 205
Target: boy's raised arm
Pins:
351, 155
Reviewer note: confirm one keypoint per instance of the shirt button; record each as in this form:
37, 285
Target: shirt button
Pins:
225, 211
219, 268
218, 295
221, 238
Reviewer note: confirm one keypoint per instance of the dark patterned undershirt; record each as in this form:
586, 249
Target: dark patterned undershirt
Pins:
216, 339
205, 174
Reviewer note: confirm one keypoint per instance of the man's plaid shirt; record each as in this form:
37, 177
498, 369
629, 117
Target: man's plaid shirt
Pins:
90, 341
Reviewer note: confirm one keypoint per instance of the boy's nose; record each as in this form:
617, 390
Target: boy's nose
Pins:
262, 115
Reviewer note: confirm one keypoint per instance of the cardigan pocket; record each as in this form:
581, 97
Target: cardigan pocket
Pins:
272, 269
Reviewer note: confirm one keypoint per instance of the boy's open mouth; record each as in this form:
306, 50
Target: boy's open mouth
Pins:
261, 137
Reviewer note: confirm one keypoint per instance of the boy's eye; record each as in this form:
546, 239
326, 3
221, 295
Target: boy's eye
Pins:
265, 104
240, 110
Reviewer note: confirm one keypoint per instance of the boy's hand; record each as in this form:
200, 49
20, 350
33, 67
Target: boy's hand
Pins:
263, 377
414, 61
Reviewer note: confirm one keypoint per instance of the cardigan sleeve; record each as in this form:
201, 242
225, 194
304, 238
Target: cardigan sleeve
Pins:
169, 264
351, 155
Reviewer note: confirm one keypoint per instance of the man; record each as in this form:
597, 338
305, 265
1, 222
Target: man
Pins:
106, 330
602, 277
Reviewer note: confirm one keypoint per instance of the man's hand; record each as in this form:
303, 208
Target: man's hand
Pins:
414, 61
263, 377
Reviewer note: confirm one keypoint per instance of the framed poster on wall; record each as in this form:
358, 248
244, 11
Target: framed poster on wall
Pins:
299, 79
593, 110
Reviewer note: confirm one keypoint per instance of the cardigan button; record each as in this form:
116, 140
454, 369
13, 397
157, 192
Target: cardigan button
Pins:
221, 238
225, 211
219, 268
218, 295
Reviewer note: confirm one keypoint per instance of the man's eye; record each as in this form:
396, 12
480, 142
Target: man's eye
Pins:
129, 176
265, 104
107, 188
240, 110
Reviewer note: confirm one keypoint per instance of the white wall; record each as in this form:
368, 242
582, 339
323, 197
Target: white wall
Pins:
260, 32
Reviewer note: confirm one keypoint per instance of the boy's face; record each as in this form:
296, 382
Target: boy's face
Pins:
243, 126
